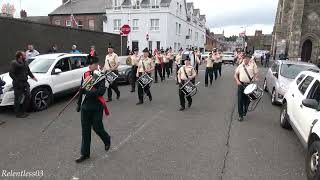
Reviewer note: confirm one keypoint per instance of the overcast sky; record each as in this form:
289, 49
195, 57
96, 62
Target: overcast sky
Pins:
232, 16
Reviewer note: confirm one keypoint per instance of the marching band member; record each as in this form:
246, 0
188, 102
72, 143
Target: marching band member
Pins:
166, 68
170, 57
245, 73
198, 62
216, 58
134, 62
178, 62
209, 69
219, 61
92, 106
185, 73
158, 66
111, 64
146, 65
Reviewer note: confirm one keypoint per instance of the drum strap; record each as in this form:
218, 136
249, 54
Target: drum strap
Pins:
143, 66
185, 72
246, 70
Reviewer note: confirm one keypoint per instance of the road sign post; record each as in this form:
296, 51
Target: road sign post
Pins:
124, 31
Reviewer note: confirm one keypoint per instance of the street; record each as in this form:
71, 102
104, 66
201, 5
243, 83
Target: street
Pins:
156, 141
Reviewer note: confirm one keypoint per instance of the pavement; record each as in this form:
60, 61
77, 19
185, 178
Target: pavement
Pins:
156, 141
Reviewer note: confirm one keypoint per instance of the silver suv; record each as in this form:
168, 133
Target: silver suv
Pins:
280, 75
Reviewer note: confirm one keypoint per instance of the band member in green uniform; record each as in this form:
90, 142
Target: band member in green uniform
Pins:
146, 65
92, 106
134, 62
111, 64
185, 73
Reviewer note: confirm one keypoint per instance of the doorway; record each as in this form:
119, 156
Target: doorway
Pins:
135, 45
306, 51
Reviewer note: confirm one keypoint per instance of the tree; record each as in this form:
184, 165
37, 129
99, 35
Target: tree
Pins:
231, 38
8, 9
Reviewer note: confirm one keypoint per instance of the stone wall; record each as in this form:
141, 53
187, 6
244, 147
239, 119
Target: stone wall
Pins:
16, 34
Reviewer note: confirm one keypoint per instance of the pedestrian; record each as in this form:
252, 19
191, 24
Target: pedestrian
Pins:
93, 51
111, 64
159, 65
146, 65
53, 49
185, 73
209, 69
92, 106
262, 59
31, 52
246, 73
178, 63
75, 60
19, 72
268, 55
166, 65
135, 58
74, 50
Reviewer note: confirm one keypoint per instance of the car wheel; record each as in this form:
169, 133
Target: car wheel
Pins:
41, 98
265, 87
313, 161
284, 118
273, 97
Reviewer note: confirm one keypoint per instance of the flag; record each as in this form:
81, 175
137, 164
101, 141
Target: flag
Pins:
242, 34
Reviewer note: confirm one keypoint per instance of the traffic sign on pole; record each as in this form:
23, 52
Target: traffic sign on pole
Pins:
125, 30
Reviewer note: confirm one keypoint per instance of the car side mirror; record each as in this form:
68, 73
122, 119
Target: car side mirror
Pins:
275, 74
57, 71
311, 103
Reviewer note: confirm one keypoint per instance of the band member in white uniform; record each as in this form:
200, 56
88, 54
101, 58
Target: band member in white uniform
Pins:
216, 58
209, 70
178, 62
185, 73
158, 66
134, 62
145, 65
166, 68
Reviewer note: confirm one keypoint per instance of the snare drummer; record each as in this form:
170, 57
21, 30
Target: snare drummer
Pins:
185, 73
134, 62
146, 65
245, 73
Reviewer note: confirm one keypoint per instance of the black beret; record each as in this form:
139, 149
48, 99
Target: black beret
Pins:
110, 46
146, 50
135, 49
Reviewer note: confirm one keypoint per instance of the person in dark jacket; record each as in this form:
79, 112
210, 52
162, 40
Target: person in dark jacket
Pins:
93, 52
53, 49
19, 72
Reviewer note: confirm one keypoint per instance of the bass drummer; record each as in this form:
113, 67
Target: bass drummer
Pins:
245, 73
146, 65
185, 73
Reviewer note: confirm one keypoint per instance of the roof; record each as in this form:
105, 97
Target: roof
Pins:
189, 5
202, 17
83, 7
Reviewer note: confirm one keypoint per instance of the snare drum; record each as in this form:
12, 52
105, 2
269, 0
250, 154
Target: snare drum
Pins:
189, 89
253, 92
144, 80
111, 77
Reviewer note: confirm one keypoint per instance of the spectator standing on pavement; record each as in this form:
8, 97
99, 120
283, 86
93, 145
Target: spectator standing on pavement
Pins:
262, 59
245, 73
93, 51
267, 59
31, 52
53, 49
19, 72
75, 50
2, 83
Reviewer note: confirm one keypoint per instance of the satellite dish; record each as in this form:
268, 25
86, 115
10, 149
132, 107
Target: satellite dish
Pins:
105, 18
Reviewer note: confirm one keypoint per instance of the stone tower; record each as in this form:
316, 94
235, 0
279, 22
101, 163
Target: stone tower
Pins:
297, 30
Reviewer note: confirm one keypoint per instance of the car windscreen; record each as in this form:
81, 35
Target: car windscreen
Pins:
292, 70
40, 65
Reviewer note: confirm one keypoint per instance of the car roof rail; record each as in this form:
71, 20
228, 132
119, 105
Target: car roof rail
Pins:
314, 70
62, 54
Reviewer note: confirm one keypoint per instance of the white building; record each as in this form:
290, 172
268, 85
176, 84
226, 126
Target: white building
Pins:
167, 23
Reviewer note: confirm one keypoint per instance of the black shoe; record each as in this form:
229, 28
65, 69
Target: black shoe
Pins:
108, 100
107, 147
25, 115
150, 98
81, 159
118, 96
240, 119
156, 82
132, 91
245, 113
182, 109
189, 104
139, 103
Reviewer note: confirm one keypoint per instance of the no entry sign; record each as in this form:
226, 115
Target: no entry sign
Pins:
125, 30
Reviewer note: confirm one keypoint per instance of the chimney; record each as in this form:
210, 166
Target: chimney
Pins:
23, 14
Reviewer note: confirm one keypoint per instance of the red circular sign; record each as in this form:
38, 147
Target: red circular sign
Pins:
125, 29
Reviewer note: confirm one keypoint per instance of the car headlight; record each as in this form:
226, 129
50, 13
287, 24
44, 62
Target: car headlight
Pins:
122, 73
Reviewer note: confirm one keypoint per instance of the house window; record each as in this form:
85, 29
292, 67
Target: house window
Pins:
117, 4
135, 25
80, 24
179, 30
158, 44
180, 9
91, 24
155, 24
136, 4
177, 8
155, 3
57, 22
197, 36
116, 24
68, 23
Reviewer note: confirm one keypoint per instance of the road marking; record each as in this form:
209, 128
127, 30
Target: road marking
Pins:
116, 148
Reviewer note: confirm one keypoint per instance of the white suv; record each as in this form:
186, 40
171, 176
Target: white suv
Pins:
301, 111
56, 74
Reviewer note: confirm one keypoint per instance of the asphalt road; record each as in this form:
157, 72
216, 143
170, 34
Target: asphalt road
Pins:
155, 141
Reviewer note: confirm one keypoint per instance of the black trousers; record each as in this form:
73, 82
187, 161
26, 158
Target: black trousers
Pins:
220, 68
209, 73
92, 119
133, 77
166, 69
243, 101
22, 97
267, 63
183, 97
158, 70
170, 66
113, 86
215, 70
177, 69
141, 90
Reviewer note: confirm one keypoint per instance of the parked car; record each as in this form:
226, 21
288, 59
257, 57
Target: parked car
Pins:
301, 112
125, 74
279, 76
258, 53
56, 74
228, 57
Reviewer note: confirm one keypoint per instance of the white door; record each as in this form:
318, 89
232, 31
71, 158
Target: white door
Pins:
64, 80
298, 96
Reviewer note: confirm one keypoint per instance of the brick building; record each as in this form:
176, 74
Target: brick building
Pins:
259, 41
82, 14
